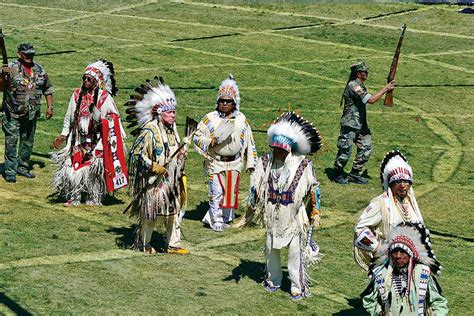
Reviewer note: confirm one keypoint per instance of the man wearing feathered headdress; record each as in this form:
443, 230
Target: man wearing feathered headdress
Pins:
403, 276
397, 204
285, 193
157, 176
93, 161
225, 140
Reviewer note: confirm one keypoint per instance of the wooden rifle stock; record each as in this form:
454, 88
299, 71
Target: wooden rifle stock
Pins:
393, 68
5, 81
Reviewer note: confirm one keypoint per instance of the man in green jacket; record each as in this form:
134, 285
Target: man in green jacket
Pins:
22, 106
354, 128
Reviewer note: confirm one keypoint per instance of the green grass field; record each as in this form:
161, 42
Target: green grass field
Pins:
57, 260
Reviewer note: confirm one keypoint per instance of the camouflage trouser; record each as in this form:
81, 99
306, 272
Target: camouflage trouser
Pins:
347, 138
13, 129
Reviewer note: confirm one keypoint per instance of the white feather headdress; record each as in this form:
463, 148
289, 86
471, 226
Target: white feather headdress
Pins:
154, 98
414, 239
395, 167
103, 72
293, 133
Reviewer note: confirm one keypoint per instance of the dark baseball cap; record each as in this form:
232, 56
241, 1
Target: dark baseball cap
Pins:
26, 49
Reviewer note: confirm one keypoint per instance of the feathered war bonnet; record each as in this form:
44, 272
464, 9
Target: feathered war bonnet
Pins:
414, 239
104, 74
395, 167
153, 98
229, 88
293, 133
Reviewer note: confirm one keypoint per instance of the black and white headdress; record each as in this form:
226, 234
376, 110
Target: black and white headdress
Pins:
395, 167
293, 133
154, 97
104, 73
414, 239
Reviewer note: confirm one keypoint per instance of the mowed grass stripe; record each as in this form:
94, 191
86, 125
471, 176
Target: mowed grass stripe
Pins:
94, 14
447, 164
81, 212
441, 64
248, 9
200, 51
451, 52
414, 30
34, 7
249, 33
342, 21
115, 254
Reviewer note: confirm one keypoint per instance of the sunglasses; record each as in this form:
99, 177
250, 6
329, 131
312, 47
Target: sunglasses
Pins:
226, 101
401, 181
28, 56
88, 79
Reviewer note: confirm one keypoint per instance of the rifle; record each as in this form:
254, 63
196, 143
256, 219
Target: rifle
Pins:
5, 81
393, 68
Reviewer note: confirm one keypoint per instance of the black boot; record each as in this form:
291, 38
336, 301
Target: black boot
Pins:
339, 177
355, 177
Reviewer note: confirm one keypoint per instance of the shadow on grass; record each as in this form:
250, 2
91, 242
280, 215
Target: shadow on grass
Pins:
357, 308
438, 233
198, 213
109, 199
40, 164
12, 305
251, 269
256, 271
331, 172
126, 237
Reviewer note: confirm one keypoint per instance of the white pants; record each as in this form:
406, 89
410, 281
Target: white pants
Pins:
295, 270
173, 230
216, 215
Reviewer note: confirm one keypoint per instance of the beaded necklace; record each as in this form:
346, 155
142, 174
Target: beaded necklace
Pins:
403, 208
400, 281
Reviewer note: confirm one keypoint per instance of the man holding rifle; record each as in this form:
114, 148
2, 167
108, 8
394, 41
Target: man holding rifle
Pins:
354, 128
27, 82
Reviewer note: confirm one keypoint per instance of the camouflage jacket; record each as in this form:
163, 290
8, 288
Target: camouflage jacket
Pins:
355, 105
24, 99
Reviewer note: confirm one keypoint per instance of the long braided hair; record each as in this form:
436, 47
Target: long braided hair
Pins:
76, 114
352, 76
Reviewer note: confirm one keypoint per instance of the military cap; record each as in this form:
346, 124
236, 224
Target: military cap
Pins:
26, 48
360, 66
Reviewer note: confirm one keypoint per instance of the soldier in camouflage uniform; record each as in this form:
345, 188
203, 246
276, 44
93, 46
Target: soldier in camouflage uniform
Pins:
21, 104
354, 127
